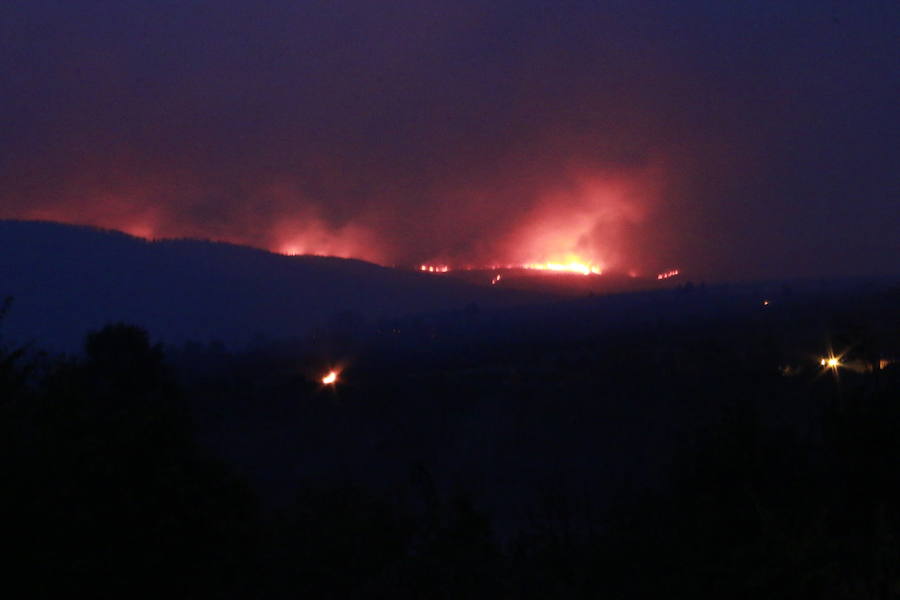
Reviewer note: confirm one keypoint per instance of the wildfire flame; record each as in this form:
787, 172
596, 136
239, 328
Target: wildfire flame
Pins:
434, 268
668, 274
568, 267
330, 378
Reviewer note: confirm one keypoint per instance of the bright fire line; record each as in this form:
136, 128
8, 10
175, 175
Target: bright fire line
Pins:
569, 267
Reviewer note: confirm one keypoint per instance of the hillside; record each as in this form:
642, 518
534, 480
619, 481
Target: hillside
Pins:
66, 280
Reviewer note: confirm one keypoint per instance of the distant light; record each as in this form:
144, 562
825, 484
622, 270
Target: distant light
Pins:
765, 302
832, 362
330, 378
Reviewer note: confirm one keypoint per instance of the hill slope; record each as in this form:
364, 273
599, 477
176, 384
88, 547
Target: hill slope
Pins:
66, 280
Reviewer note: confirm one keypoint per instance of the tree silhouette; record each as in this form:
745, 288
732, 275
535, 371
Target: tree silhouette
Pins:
107, 491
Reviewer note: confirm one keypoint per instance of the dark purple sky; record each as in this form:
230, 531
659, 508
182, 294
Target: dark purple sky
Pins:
728, 139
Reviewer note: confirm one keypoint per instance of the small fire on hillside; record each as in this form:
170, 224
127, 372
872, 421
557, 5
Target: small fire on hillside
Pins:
667, 274
573, 277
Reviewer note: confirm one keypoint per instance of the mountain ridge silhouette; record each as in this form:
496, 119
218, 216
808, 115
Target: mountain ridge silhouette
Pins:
68, 279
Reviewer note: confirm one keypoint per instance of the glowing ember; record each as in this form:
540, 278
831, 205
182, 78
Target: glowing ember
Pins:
330, 378
496, 278
668, 274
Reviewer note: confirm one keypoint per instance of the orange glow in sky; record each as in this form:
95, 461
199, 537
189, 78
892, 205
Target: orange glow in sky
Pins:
579, 226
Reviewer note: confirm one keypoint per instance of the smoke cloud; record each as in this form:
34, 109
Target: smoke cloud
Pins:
729, 141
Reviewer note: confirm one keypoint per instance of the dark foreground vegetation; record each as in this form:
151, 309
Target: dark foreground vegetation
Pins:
707, 458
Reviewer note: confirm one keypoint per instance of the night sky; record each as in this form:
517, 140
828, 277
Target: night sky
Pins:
731, 140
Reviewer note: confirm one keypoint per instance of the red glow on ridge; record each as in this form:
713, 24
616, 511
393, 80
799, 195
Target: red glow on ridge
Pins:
583, 224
